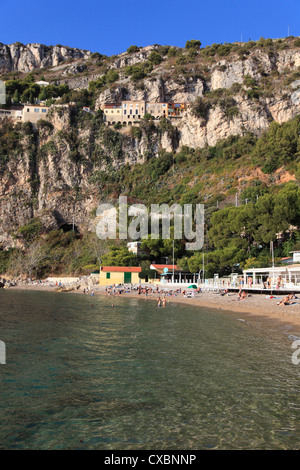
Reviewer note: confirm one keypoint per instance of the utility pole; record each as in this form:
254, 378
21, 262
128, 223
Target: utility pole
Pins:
173, 261
236, 199
203, 267
272, 252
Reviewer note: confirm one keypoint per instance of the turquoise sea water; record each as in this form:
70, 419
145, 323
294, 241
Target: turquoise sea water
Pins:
81, 374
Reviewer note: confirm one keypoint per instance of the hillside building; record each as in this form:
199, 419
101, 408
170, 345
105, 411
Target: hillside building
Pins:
34, 112
131, 112
24, 113
14, 112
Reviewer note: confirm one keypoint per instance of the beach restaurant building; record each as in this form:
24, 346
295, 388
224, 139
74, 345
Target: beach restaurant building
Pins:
287, 277
173, 274
110, 275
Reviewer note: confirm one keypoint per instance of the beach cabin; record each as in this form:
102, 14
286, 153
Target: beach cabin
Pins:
110, 275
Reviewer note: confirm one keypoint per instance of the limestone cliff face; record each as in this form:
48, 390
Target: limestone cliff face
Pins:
26, 58
253, 117
280, 104
56, 176
60, 180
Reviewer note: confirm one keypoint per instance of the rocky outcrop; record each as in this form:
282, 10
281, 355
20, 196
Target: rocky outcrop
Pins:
25, 58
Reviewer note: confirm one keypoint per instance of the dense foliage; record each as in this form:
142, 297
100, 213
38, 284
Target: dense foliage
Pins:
27, 91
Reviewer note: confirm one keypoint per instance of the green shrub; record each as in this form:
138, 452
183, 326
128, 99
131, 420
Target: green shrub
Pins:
31, 230
297, 43
173, 52
155, 58
133, 49
200, 108
136, 132
139, 71
193, 44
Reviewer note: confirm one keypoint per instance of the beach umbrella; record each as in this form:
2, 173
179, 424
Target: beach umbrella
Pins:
193, 286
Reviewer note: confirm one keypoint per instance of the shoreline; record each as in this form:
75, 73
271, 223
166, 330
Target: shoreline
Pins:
257, 306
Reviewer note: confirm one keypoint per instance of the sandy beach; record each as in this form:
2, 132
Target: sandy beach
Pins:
258, 307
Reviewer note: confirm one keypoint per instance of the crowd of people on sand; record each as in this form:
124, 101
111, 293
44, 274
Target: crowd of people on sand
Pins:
87, 291
163, 293
242, 295
152, 290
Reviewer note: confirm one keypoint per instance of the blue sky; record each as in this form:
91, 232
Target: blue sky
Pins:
110, 27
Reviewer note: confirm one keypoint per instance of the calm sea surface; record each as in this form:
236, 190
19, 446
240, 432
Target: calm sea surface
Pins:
81, 374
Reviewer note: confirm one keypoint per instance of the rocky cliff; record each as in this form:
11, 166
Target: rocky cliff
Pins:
18, 57
57, 171
274, 78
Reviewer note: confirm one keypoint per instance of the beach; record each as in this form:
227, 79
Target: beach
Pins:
261, 307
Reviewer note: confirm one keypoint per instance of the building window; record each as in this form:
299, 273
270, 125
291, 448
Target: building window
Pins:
36, 110
44, 110
107, 275
124, 111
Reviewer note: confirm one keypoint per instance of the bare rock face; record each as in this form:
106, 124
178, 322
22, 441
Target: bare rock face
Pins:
251, 114
25, 58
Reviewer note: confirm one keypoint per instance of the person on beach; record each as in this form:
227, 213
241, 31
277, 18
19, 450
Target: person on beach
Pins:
242, 295
279, 281
286, 300
159, 302
164, 302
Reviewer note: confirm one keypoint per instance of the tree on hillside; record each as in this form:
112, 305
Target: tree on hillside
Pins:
35, 255
193, 44
133, 49
119, 256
